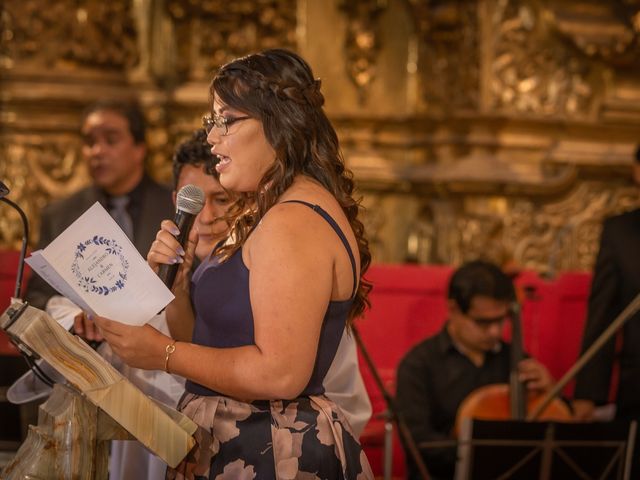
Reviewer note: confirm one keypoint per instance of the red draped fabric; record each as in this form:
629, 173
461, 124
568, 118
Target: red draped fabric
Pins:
408, 304
8, 269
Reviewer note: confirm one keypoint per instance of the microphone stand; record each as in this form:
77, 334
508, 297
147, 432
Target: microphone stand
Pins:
630, 310
29, 356
392, 409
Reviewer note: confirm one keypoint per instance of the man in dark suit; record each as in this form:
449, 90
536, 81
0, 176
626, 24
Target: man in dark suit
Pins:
616, 282
114, 148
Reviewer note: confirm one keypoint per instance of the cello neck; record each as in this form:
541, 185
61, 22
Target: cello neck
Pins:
516, 387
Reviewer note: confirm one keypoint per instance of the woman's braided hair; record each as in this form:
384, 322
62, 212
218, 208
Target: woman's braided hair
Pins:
277, 87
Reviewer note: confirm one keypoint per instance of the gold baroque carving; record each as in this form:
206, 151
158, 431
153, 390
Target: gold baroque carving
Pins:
531, 70
362, 42
548, 237
167, 128
448, 232
517, 213
374, 219
607, 30
492, 175
422, 246
98, 34
567, 231
449, 64
38, 170
159, 148
421, 14
211, 33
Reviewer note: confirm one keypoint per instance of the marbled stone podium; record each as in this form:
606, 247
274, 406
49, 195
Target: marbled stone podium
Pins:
99, 404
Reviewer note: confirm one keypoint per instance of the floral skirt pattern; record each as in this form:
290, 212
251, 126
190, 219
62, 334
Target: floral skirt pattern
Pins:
304, 438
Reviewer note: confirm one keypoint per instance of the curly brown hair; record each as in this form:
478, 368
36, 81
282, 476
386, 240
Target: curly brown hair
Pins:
278, 88
193, 151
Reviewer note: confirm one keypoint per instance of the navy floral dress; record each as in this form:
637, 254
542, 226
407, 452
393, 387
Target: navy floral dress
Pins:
304, 438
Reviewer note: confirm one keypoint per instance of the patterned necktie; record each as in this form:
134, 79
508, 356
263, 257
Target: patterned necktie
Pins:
120, 214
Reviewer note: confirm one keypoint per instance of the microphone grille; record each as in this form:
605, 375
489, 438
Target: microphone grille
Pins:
190, 199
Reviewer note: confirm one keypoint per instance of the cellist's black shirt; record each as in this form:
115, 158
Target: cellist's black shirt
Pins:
433, 379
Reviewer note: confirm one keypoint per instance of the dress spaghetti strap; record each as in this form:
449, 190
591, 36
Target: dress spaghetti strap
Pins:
329, 219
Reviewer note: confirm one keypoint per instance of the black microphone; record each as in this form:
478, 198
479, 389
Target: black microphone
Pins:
189, 202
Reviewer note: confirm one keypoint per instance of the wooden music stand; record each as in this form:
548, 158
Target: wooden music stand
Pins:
77, 422
524, 450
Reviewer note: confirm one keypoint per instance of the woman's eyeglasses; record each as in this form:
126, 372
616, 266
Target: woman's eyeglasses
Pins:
221, 123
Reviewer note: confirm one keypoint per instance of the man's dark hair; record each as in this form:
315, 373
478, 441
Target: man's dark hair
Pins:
637, 155
129, 110
479, 278
193, 151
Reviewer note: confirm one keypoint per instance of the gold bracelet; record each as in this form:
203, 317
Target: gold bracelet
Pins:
169, 349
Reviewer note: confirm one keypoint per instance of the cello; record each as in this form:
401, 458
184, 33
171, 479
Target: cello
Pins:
510, 401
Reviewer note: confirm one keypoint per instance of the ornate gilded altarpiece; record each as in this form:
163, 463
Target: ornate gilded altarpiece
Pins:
495, 128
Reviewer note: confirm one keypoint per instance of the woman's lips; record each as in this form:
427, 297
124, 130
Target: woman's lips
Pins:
222, 163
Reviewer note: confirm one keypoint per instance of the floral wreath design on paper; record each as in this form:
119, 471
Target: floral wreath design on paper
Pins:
89, 283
